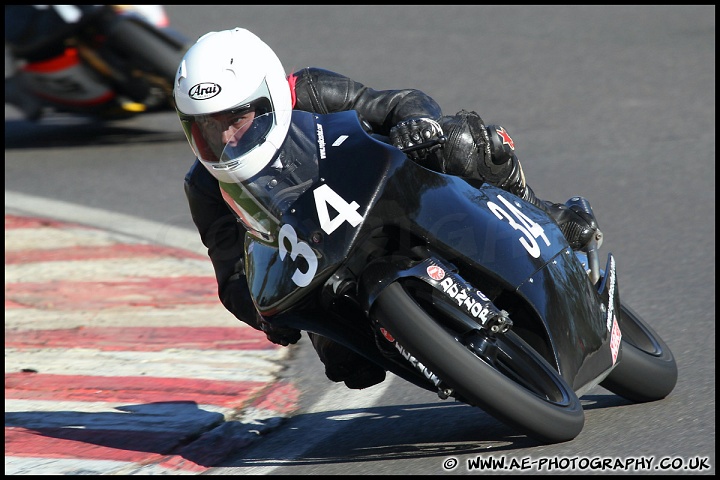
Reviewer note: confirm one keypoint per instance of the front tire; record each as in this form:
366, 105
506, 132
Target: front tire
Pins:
647, 370
516, 384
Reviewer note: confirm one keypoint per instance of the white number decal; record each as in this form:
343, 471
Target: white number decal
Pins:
301, 279
527, 227
324, 196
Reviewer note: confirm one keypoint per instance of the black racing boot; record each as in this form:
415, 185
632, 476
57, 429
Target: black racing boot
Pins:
579, 226
344, 365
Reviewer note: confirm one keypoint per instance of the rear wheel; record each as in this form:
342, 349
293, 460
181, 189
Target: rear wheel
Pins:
647, 370
501, 374
152, 58
152, 50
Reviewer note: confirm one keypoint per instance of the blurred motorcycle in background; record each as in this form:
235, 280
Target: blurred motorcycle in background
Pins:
106, 62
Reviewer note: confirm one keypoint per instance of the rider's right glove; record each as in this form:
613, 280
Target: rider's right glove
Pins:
413, 132
279, 335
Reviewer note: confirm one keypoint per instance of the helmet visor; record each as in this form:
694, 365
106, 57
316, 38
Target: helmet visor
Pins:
244, 126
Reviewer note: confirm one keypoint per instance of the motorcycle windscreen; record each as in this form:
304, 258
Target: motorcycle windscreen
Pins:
261, 201
304, 217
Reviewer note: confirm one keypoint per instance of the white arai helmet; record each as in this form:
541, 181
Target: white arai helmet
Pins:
221, 78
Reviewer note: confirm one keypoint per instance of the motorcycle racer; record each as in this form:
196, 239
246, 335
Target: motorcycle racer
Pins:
74, 58
230, 77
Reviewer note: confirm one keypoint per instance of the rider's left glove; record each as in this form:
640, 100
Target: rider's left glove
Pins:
279, 335
414, 131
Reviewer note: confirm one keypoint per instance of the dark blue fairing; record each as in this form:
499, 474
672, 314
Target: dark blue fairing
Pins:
362, 184
481, 226
569, 308
354, 167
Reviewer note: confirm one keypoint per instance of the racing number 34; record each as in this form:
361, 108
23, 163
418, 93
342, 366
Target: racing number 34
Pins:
519, 221
324, 197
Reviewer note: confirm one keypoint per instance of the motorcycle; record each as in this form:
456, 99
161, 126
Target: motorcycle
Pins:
463, 290
118, 61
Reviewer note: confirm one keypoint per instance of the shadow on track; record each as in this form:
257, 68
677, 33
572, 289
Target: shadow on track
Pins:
183, 429
448, 429
73, 132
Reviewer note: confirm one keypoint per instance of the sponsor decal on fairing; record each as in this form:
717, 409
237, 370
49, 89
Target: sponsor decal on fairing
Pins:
612, 323
321, 140
465, 298
411, 359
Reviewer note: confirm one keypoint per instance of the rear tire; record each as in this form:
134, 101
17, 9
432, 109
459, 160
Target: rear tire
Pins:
647, 370
152, 51
145, 61
517, 385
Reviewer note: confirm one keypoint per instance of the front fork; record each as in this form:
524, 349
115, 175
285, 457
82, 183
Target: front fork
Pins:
463, 305
464, 309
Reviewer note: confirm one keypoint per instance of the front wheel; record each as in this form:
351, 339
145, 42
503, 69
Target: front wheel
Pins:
647, 370
503, 375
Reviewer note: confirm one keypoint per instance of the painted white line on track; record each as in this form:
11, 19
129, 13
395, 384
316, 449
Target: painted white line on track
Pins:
63, 466
107, 270
137, 316
110, 269
18, 239
134, 227
229, 365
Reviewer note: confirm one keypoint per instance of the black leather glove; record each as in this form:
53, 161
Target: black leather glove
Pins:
413, 132
279, 335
